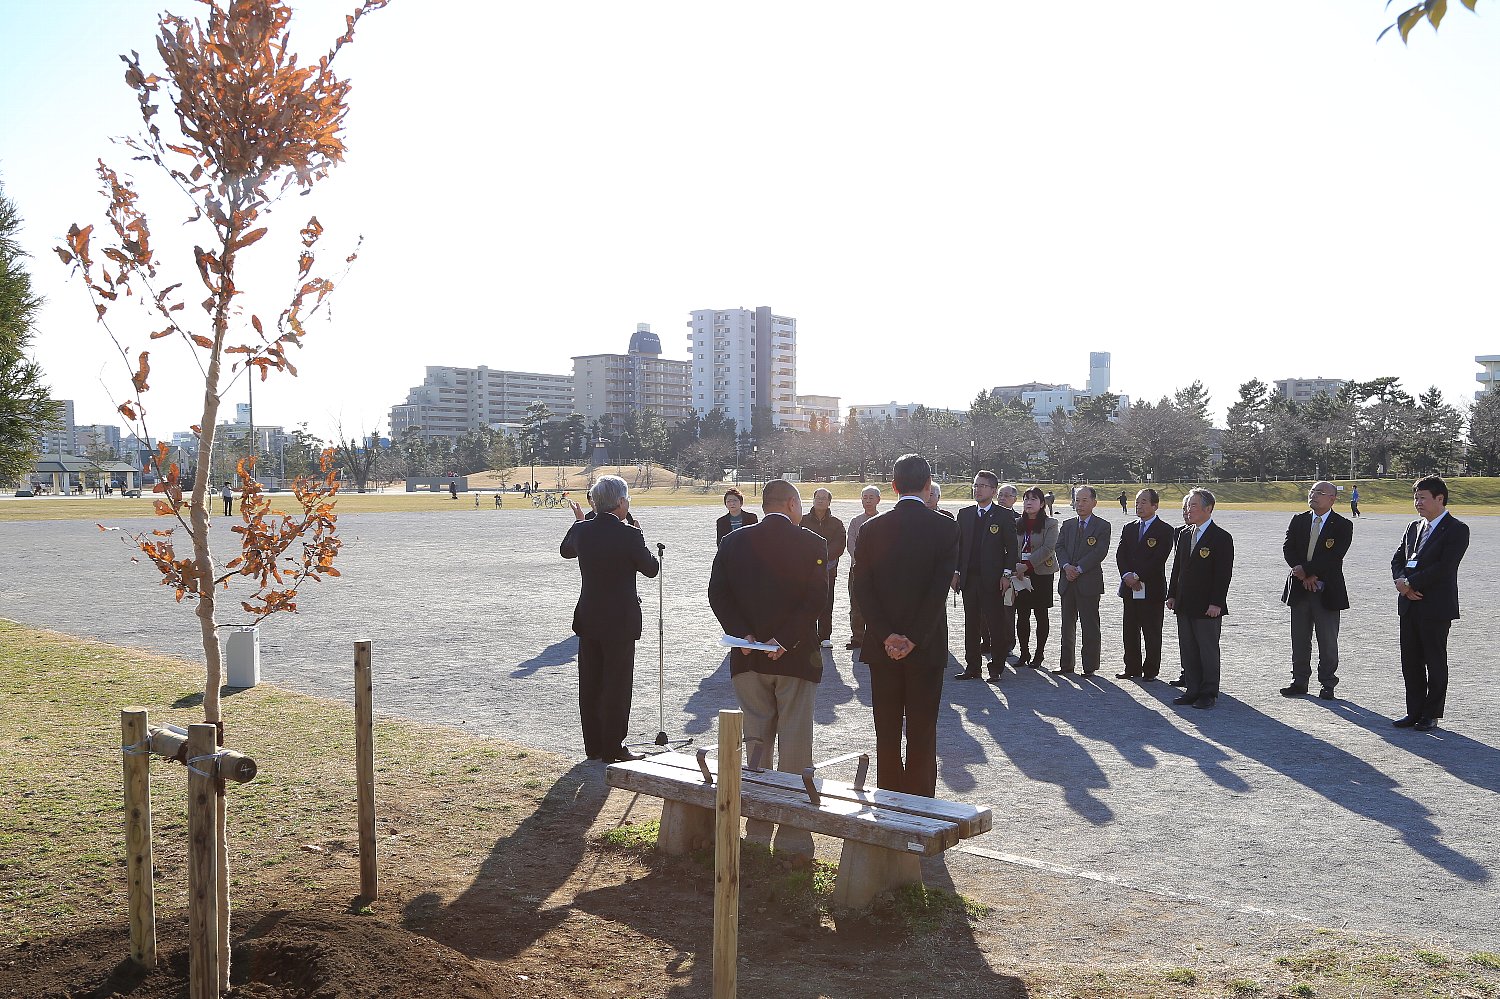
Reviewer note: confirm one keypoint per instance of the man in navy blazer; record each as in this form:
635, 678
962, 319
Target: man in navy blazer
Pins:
1145, 545
906, 562
1198, 593
1082, 544
607, 618
1316, 542
1425, 571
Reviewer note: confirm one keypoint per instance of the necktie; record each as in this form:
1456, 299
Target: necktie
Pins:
1422, 534
1197, 533
1312, 537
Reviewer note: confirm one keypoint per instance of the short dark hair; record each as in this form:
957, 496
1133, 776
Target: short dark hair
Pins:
1152, 495
911, 475
988, 476
731, 491
1093, 493
777, 491
1433, 484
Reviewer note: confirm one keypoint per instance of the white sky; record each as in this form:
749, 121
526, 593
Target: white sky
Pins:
946, 196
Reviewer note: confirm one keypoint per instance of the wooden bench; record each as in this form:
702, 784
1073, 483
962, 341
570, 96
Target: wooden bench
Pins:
885, 833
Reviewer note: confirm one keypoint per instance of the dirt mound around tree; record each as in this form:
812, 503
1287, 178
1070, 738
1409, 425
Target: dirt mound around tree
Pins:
281, 955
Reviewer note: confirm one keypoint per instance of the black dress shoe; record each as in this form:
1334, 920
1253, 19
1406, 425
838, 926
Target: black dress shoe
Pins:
1205, 702
968, 674
622, 755
851, 645
1129, 676
1151, 676
1036, 663
1295, 690
1183, 699
993, 679
1181, 681
1326, 694
1426, 725
1063, 669
1091, 672
1405, 721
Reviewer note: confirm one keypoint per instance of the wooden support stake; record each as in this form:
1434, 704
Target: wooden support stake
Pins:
727, 856
364, 768
142, 897
203, 863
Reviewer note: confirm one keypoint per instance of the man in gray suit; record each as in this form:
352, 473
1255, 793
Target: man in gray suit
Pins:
1082, 544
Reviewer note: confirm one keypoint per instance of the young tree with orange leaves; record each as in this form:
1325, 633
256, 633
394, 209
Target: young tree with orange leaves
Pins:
248, 124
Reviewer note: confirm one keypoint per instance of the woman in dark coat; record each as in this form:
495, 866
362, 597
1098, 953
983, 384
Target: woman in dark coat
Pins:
737, 516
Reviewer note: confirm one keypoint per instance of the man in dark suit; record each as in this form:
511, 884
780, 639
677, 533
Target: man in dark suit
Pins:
769, 584
987, 555
902, 577
1198, 593
1425, 570
1315, 546
1145, 544
607, 619
1082, 544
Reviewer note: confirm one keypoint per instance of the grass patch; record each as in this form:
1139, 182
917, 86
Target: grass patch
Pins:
1433, 959
1485, 959
1303, 990
632, 837
1245, 987
1181, 976
921, 909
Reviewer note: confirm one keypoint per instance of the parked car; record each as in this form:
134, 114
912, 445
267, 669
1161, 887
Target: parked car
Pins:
131, 493
23, 491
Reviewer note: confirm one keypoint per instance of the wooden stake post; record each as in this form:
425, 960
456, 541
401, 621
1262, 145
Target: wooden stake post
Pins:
364, 764
727, 856
203, 862
136, 749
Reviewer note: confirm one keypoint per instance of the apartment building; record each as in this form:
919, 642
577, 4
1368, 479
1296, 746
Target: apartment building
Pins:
744, 359
613, 385
451, 401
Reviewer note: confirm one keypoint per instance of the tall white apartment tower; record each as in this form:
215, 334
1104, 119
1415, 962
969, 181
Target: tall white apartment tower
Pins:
1098, 372
744, 359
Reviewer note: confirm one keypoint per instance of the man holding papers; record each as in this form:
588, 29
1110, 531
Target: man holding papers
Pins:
768, 586
1141, 558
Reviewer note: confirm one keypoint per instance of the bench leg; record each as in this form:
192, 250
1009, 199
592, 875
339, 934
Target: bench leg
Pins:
684, 828
865, 871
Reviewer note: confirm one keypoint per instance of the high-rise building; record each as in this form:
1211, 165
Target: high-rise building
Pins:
450, 402
61, 439
613, 385
901, 414
1489, 373
1303, 389
743, 360
1098, 372
94, 440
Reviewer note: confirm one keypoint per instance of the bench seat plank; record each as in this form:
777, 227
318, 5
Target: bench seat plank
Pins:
859, 821
972, 820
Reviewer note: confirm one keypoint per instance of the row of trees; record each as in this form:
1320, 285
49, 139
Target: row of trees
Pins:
1377, 424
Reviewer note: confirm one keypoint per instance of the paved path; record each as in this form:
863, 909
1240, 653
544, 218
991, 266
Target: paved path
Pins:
1312, 810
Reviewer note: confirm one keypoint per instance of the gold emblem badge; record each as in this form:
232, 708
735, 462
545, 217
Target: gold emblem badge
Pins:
1328, 543
994, 528
1203, 553
820, 561
1093, 542
1150, 542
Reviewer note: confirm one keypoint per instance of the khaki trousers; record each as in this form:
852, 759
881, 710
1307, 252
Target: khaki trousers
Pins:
779, 712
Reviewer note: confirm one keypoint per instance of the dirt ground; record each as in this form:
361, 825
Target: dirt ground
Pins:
510, 872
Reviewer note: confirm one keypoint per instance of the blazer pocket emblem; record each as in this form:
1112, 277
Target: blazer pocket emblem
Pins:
1203, 553
1328, 543
994, 528
1150, 542
820, 561
1092, 542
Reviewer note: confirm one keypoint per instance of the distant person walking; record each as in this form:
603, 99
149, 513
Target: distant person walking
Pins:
227, 495
1122, 499
737, 517
1354, 502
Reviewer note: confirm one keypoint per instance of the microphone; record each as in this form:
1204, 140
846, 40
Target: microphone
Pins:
660, 547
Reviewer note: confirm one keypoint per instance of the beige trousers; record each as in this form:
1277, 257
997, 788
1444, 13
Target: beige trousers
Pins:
779, 712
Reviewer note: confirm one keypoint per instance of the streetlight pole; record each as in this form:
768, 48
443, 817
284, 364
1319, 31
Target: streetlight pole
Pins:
973, 459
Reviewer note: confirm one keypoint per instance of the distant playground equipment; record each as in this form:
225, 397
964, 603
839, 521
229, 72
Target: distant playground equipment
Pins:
438, 484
